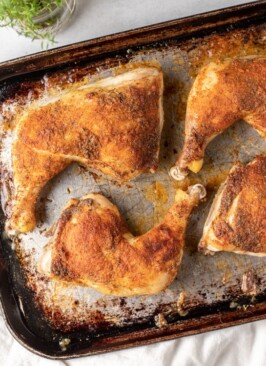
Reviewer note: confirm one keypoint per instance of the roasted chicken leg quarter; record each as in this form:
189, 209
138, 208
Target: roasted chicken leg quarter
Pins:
93, 247
113, 125
237, 219
223, 93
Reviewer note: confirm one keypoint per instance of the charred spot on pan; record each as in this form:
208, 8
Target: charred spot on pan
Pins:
160, 321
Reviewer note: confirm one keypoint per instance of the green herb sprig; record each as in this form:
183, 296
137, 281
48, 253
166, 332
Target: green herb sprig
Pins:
20, 14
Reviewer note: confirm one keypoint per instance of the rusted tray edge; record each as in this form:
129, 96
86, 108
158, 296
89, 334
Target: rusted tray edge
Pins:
99, 47
139, 36
186, 327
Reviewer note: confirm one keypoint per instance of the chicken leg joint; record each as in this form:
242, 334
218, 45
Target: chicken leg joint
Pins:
223, 93
113, 125
93, 247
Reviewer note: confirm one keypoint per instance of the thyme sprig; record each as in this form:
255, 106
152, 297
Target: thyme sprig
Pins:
21, 15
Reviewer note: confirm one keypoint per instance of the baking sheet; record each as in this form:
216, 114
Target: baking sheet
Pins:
201, 281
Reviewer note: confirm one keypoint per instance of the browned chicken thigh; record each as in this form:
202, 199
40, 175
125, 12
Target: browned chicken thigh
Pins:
113, 125
237, 219
223, 93
93, 247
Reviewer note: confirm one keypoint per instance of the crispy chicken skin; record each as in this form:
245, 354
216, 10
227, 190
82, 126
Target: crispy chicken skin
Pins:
93, 247
223, 93
237, 219
113, 125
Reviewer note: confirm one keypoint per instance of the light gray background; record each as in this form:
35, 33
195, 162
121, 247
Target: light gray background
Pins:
242, 345
96, 18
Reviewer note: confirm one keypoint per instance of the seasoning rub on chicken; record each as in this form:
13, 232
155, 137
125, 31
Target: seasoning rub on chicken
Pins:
113, 125
237, 219
223, 93
93, 247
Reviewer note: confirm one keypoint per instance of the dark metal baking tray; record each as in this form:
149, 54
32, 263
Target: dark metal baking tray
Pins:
194, 37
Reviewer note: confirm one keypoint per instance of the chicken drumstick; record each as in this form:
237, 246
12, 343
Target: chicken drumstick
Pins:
93, 247
223, 93
113, 125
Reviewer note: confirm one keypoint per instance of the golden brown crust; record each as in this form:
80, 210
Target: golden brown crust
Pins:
95, 125
32, 170
92, 247
241, 221
113, 125
223, 93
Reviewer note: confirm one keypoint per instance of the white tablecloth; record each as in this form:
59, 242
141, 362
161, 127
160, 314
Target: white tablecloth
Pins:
242, 345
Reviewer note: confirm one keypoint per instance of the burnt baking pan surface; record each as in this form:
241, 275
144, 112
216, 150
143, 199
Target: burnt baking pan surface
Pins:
60, 321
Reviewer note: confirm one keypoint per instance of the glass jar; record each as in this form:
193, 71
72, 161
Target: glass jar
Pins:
53, 21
